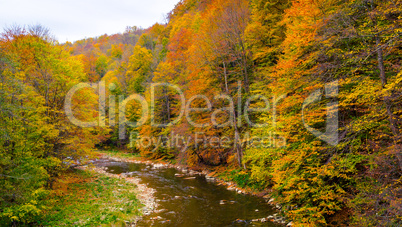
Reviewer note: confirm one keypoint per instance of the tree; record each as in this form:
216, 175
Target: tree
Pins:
360, 45
37, 139
223, 48
139, 67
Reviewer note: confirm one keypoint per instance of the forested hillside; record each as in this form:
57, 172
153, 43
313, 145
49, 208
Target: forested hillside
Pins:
301, 97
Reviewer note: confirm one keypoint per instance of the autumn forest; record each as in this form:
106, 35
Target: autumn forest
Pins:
300, 100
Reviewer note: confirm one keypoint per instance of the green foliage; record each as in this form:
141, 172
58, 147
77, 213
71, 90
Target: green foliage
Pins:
23, 135
139, 67
120, 153
101, 65
146, 41
242, 179
36, 139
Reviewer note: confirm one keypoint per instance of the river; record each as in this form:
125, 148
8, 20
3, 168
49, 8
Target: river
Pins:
193, 201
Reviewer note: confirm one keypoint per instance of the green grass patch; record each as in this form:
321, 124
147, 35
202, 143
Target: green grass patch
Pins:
83, 198
121, 154
241, 178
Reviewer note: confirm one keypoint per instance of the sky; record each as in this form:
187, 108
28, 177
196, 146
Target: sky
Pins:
71, 20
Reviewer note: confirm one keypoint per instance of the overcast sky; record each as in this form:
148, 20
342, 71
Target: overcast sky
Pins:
71, 20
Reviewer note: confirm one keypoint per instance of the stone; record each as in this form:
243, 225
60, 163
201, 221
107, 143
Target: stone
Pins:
222, 202
160, 211
210, 179
158, 166
231, 188
189, 178
156, 218
192, 173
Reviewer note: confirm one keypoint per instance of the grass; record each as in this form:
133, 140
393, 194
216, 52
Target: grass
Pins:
121, 154
84, 198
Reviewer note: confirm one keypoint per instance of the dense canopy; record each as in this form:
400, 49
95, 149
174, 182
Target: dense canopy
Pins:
301, 97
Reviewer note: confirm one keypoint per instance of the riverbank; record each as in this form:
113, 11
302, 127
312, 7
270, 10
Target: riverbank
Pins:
211, 175
90, 197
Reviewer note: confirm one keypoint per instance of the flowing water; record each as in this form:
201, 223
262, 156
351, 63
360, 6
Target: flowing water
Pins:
194, 201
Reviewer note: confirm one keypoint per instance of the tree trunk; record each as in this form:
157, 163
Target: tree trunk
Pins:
226, 77
398, 152
388, 106
237, 144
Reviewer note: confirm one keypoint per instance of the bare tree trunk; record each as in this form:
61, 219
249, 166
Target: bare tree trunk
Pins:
244, 63
388, 106
392, 121
226, 77
391, 118
381, 67
167, 104
246, 81
398, 152
237, 144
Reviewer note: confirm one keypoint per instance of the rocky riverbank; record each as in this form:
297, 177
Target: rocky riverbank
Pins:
144, 193
187, 173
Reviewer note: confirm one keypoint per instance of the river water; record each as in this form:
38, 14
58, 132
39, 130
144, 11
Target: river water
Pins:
194, 201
